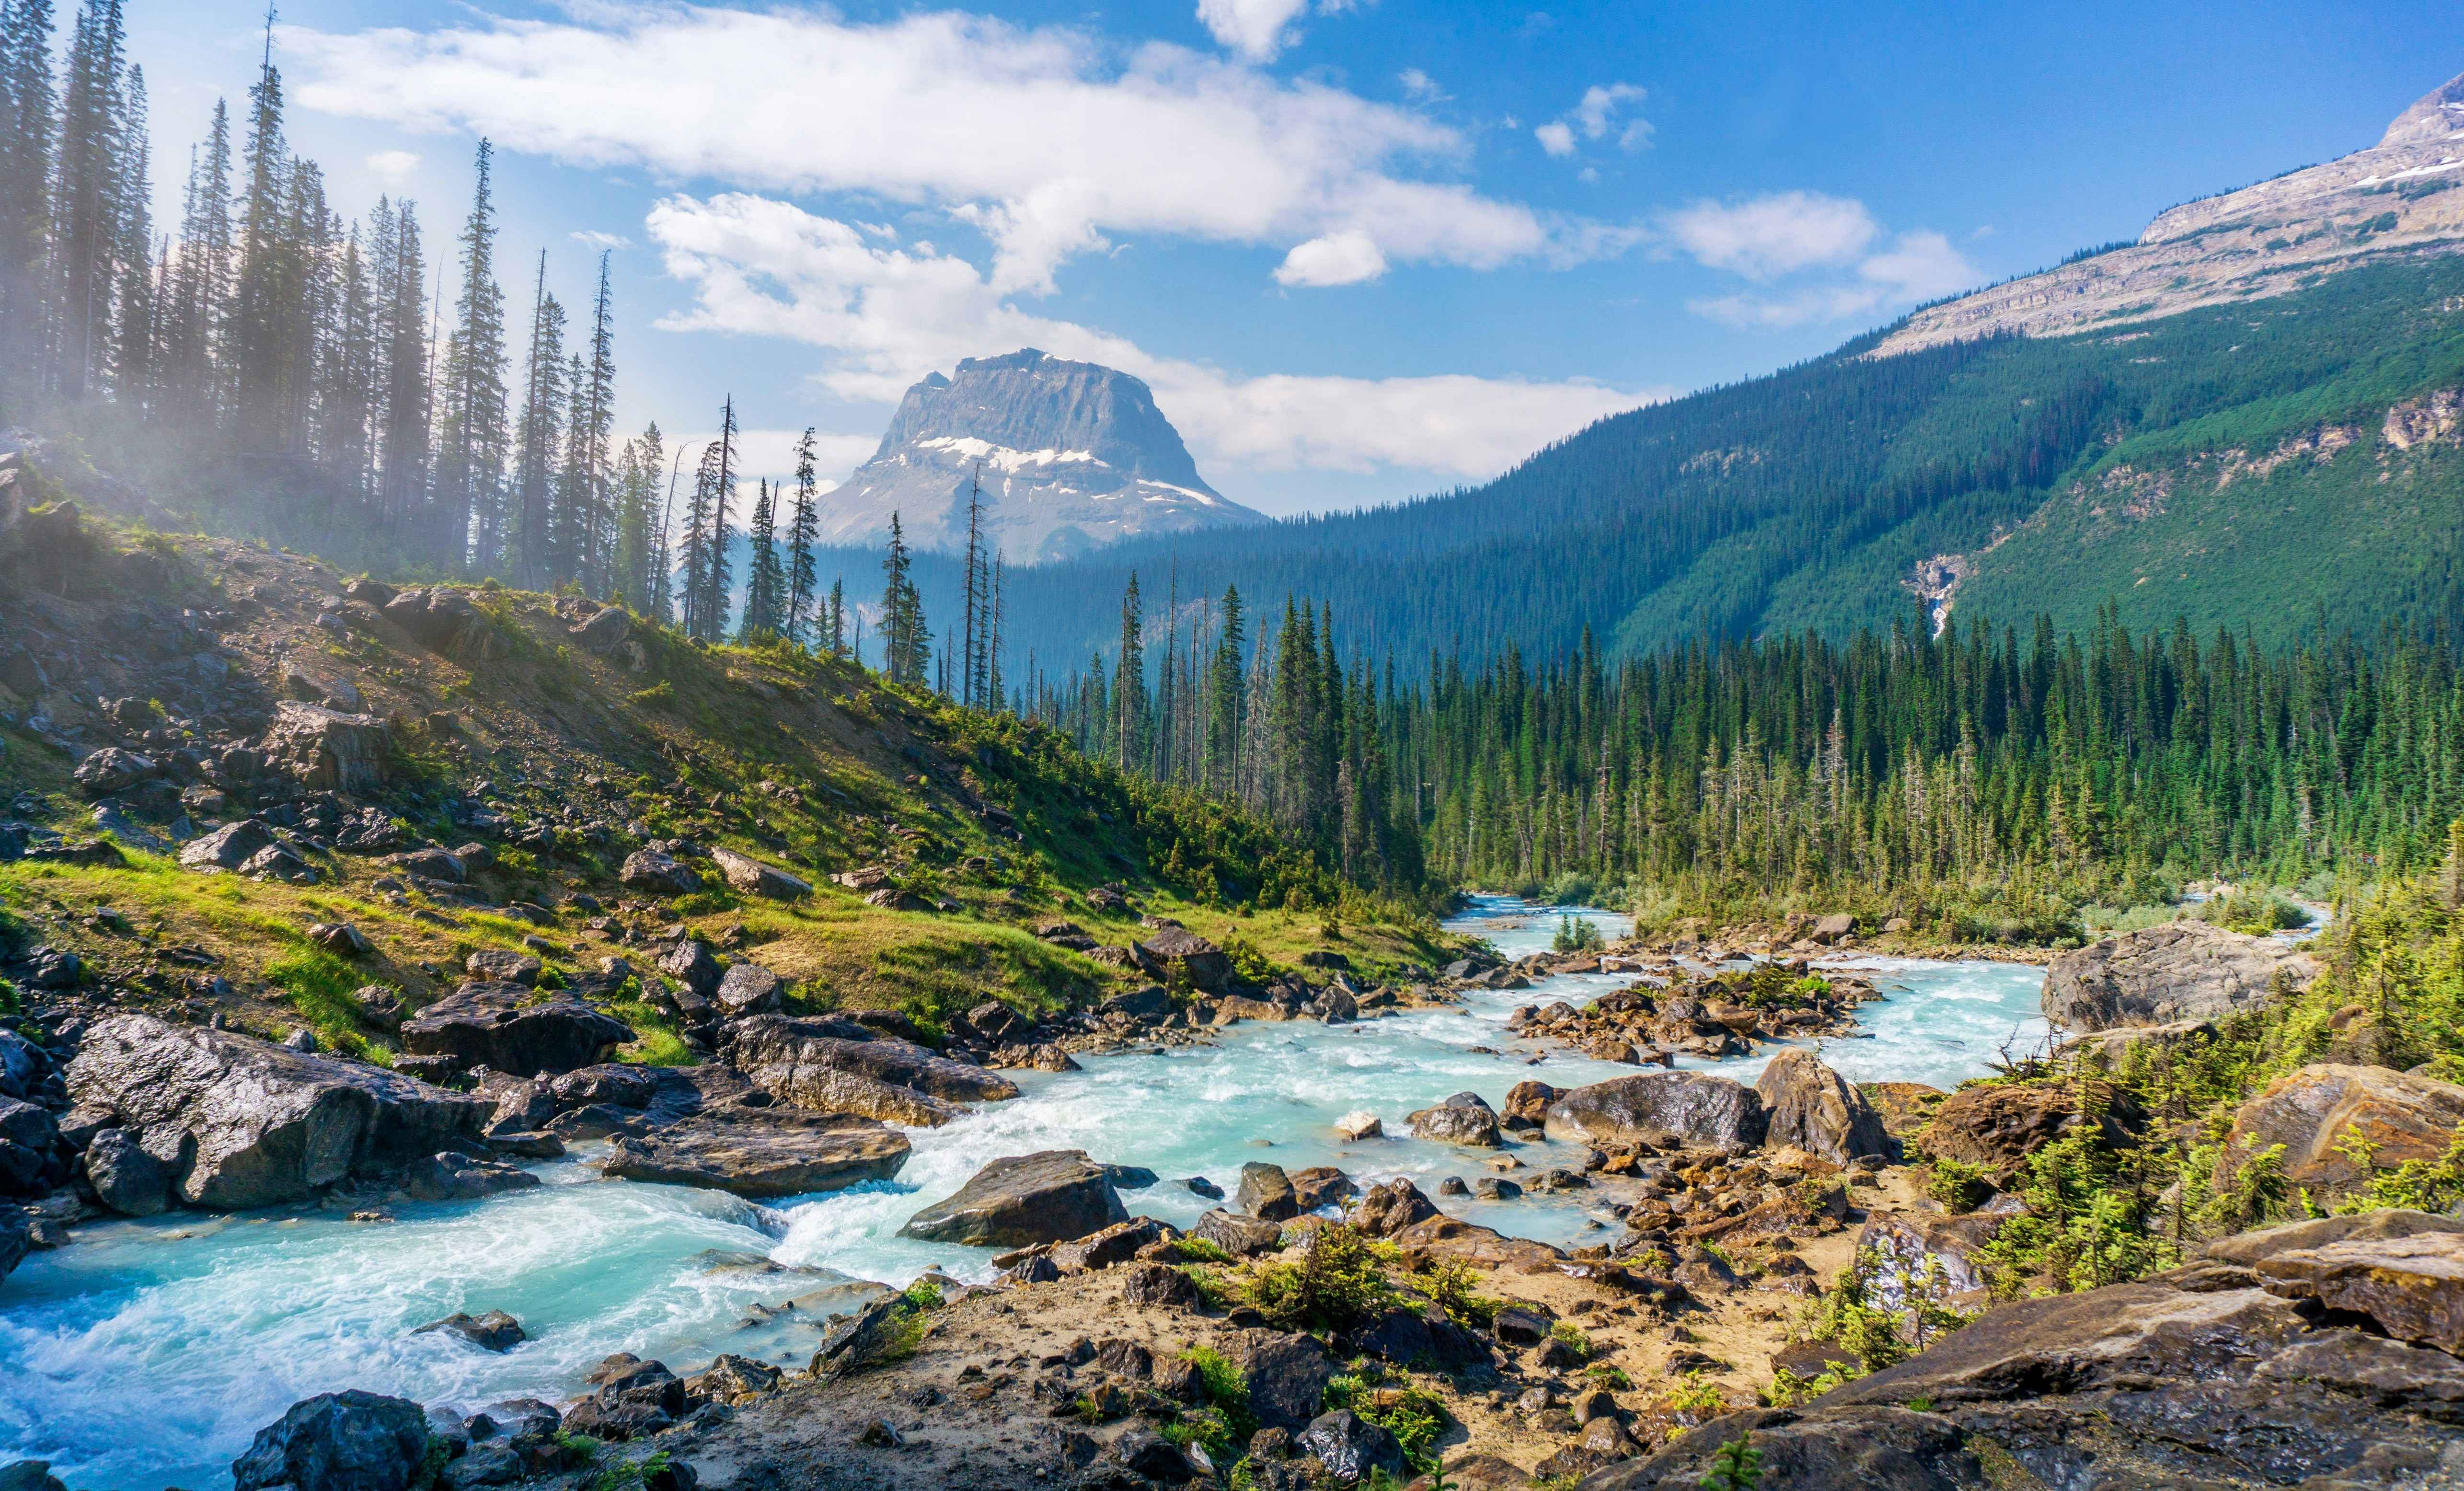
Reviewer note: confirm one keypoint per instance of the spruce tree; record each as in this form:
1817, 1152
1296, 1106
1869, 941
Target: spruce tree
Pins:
1129, 683
29, 130
254, 340
804, 531
715, 576
531, 554
594, 421
86, 200
471, 437
133, 378
766, 584
401, 447
696, 559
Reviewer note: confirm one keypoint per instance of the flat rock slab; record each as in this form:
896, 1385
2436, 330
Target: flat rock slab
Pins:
760, 1152
751, 876
1696, 1108
837, 1066
1022, 1199
2161, 975
2413, 1287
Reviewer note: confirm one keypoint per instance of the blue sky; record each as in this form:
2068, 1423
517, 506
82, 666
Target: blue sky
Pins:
1362, 249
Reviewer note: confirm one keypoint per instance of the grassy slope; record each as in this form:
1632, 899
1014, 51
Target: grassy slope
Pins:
809, 764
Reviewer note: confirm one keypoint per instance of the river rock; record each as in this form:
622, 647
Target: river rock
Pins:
752, 877
1022, 1199
452, 1175
327, 750
124, 1177
1695, 1108
1240, 1235
838, 1067
340, 1441
494, 1331
1462, 1119
1812, 1108
263, 1125
653, 873
2313, 1111
514, 1030
2160, 975
1387, 1209
1177, 952
227, 847
1527, 1104
1266, 1192
761, 1153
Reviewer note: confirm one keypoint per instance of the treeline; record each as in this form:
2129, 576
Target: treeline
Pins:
266, 352
1987, 781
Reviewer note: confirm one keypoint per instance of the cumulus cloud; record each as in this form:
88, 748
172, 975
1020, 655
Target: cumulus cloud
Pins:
1420, 85
1594, 116
393, 167
1920, 265
886, 313
1345, 258
1048, 140
1255, 29
1773, 233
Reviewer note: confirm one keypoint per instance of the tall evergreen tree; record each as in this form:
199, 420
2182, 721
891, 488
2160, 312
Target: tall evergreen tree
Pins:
29, 130
532, 554
1129, 683
804, 532
712, 579
86, 189
471, 437
585, 454
256, 340
133, 378
196, 297
907, 646
402, 351
765, 583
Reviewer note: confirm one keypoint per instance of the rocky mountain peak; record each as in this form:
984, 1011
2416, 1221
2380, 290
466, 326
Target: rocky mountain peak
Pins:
1071, 456
2437, 116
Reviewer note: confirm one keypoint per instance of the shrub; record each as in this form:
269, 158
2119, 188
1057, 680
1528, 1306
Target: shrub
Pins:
1338, 1283
1227, 1392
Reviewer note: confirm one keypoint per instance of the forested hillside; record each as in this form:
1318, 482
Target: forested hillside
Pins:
1810, 498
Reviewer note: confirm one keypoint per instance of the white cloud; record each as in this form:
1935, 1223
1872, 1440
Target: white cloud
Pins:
1920, 265
599, 240
772, 453
885, 315
1773, 233
1599, 105
1345, 258
1049, 140
1420, 85
1556, 138
1256, 29
393, 167
1592, 118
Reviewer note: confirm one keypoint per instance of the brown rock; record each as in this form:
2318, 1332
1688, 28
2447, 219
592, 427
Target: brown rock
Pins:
2160, 975
2313, 1111
1812, 1108
1997, 1127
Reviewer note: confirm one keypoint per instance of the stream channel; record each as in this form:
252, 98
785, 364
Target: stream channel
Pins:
145, 1354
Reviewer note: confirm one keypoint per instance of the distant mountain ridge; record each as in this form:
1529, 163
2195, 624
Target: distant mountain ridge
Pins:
2402, 195
1073, 457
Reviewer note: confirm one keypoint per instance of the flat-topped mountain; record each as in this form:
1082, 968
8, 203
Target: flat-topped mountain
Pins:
1072, 455
2400, 196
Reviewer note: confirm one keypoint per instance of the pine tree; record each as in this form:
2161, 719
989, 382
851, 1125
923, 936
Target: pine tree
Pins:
197, 293
696, 559
402, 351
636, 487
710, 583
86, 199
472, 436
255, 341
132, 362
531, 554
907, 646
347, 377
766, 585
29, 129
1129, 683
838, 637
594, 421
804, 531
972, 631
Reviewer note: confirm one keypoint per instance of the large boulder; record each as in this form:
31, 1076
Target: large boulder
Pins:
760, 1152
837, 1067
1267, 1193
1693, 1108
2166, 975
1812, 1108
258, 1123
227, 847
437, 618
112, 769
1022, 1199
1349, 1447
1176, 950
749, 989
1287, 1375
327, 750
1387, 1209
1998, 1125
22, 1065
514, 1029
2413, 1286
653, 873
2317, 1112
1462, 1119
340, 1441
752, 877
452, 1175
126, 1178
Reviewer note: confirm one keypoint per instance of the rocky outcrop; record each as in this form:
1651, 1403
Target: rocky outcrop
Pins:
653, 873
327, 750
249, 1124
1997, 1127
227, 847
1178, 955
762, 1154
837, 1067
1022, 1199
340, 1441
2196, 1378
2325, 1116
2166, 975
514, 1030
1692, 1109
1265, 1192
2413, 1287
1812, 1109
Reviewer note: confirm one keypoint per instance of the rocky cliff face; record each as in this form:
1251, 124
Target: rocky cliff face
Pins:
1071, 456
2402, 196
